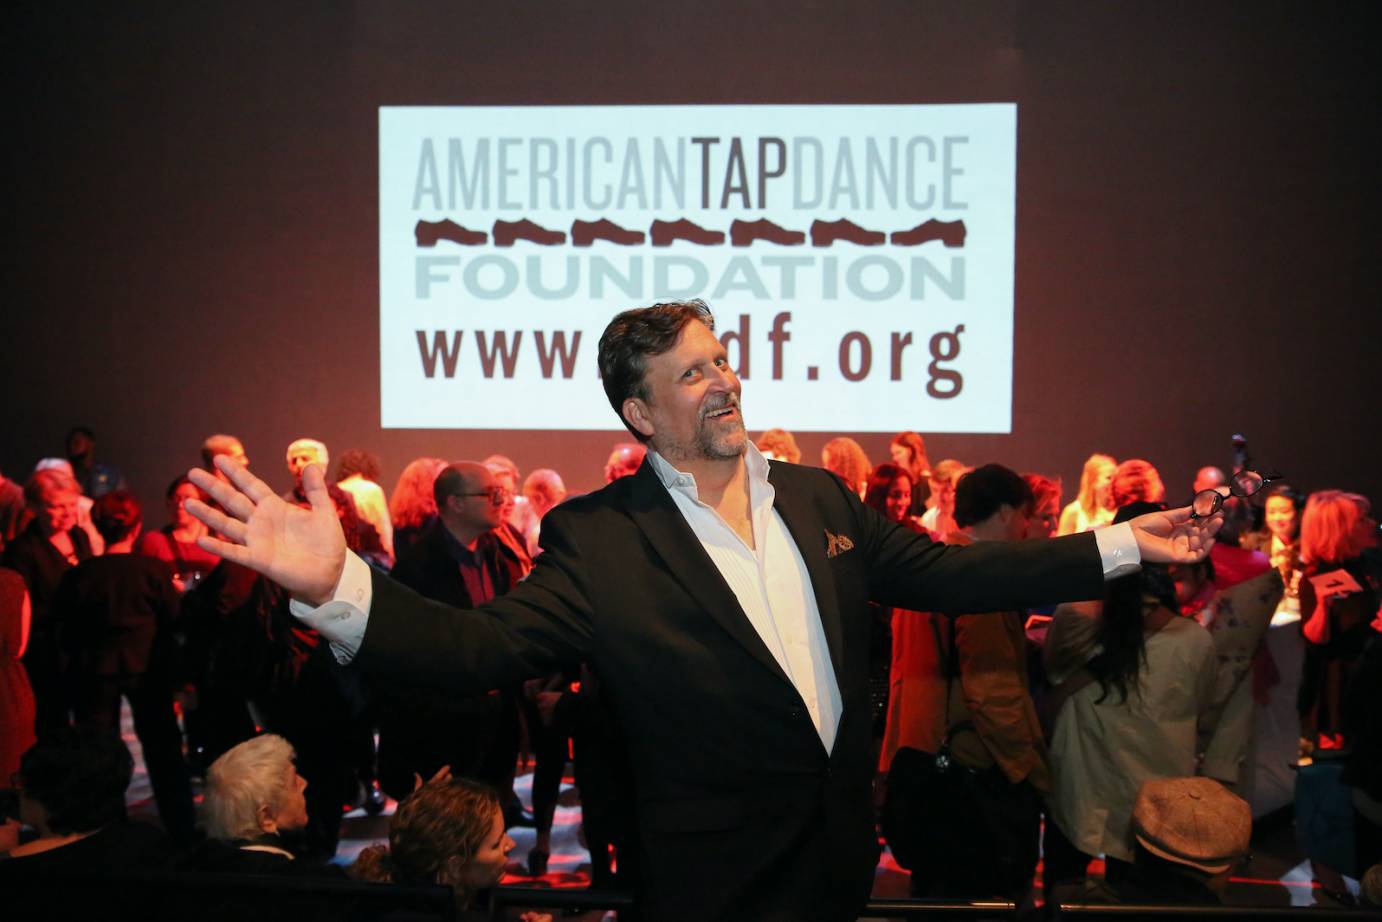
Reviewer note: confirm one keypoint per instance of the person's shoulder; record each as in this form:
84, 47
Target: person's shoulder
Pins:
11, 578
23, 548
1188, 633
154, 544
804, 476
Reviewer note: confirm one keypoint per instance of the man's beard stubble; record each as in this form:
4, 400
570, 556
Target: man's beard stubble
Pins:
708, 444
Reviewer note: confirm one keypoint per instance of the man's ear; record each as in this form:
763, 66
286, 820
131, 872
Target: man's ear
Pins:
636, 413
265, 816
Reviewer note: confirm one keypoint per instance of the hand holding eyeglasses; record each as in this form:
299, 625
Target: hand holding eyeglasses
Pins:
1243, 484
1176, 535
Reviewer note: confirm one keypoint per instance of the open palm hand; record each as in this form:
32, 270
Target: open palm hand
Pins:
303, 550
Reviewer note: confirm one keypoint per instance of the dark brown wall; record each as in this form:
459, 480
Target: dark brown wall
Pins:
193, 235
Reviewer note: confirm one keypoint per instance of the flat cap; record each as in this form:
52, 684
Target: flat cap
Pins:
1192, 821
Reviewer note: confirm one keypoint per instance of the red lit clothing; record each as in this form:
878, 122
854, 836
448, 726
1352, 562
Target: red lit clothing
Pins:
16, 696
185, 559
1233, 565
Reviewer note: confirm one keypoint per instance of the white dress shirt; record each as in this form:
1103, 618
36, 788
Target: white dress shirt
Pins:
771, 583
776, 597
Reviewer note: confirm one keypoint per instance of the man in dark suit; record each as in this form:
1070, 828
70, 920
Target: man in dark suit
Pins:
462, 562
721, 600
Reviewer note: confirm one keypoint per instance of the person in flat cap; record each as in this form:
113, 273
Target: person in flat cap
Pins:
1189, 834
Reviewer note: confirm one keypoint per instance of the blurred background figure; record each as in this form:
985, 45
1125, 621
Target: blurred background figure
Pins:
116, 616
52, 544
176, 543
963, 688
360, 534
518, 517
221, 444
1279, 539
1208, 478
461, 561
96, 479
62, 465
11, 510
908, 450
1136, 481
846, 459
1335, 531
779, 445
16, 695
412, 505
939, 520
1046, 496
624, 460
301, 453
1093, 505
357, 473
544, 490
890, 493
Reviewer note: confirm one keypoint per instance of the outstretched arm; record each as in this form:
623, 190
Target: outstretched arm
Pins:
1174, 537
541, 622
303, 550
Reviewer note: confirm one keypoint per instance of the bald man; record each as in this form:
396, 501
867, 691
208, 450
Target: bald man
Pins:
457, 561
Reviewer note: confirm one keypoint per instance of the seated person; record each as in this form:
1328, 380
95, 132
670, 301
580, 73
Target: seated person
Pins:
72, 795
253, 796
451, 832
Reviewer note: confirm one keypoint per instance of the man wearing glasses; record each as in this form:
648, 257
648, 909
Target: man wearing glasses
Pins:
461, 562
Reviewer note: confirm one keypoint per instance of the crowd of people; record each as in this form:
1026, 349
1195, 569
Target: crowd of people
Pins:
1118, 724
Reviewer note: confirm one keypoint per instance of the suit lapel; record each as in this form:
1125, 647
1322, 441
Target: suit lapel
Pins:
662, 523
808, 531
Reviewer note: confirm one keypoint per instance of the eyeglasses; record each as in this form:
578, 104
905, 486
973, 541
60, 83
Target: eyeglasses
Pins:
1243, 484
498, 496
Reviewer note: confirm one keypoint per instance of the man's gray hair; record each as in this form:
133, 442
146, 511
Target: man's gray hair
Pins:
251, 775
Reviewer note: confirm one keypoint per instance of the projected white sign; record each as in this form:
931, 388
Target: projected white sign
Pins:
859, 259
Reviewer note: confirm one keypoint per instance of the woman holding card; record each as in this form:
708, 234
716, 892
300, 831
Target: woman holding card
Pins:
1338, 602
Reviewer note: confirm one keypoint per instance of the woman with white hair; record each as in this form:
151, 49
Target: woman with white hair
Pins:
253, 796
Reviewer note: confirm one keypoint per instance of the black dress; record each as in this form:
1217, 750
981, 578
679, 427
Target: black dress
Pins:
42, 567
115, 616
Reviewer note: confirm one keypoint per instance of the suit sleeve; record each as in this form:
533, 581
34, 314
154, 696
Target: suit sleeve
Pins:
543, 623
908, 570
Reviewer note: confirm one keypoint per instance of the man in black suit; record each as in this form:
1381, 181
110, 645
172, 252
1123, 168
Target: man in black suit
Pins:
721, 600
459, 561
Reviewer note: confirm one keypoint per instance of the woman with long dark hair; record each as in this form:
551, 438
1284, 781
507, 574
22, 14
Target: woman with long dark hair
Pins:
908, 450
1131, 712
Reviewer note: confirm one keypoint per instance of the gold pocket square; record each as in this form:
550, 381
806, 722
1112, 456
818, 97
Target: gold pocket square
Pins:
837, 544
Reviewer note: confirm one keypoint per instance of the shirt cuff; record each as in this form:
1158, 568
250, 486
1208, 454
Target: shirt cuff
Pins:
342, 619
1117, 550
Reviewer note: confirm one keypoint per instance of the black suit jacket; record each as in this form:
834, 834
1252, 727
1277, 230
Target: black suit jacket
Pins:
428, 568
742, 812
